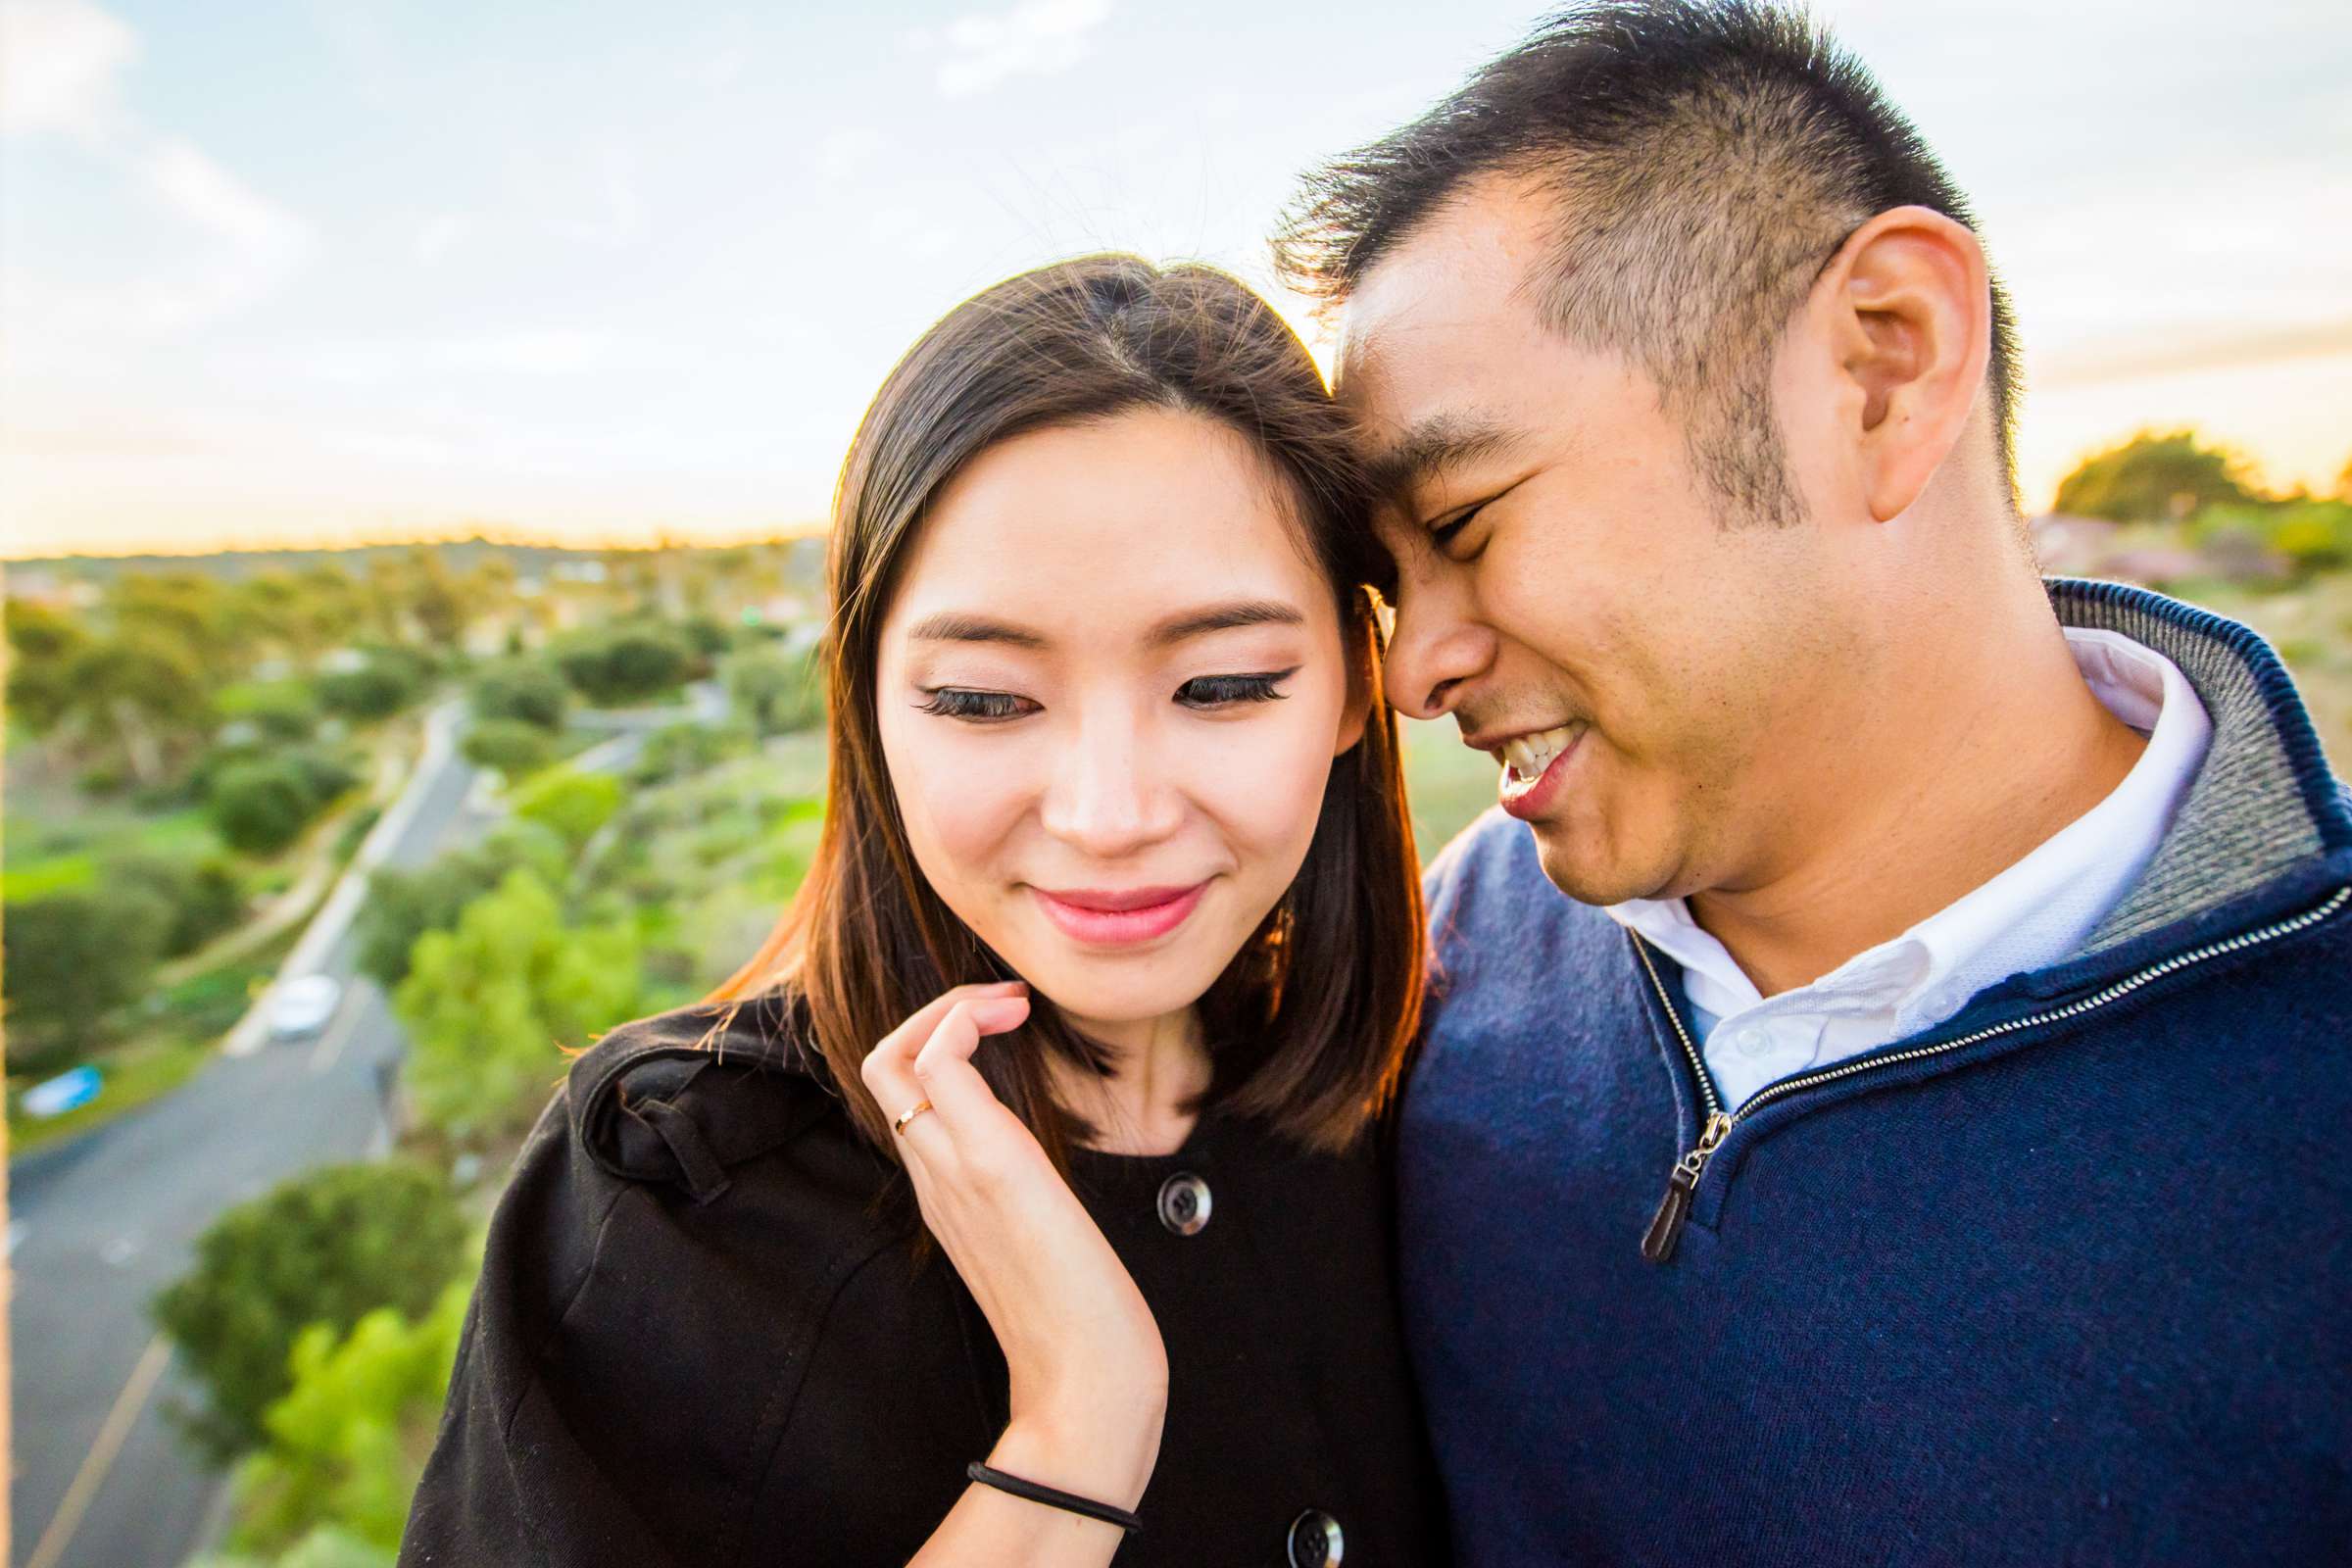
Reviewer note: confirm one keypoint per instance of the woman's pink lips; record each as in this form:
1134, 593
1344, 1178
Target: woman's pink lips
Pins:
1114, 918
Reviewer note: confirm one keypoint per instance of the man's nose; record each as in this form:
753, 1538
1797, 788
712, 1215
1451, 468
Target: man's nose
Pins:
1109, 797
1434, 651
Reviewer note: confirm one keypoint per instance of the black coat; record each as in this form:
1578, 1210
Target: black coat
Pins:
703, 1338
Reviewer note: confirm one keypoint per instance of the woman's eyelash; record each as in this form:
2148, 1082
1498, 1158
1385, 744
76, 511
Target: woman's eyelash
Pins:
955, 701
1444, 532
1216, 691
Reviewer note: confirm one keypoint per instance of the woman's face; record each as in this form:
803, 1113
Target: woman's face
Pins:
1111, 688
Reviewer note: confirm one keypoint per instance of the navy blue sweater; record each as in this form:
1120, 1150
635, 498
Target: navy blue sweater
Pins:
2063, 1280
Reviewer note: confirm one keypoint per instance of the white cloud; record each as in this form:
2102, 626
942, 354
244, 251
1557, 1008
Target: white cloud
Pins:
59, 65
1035, 38
434, 239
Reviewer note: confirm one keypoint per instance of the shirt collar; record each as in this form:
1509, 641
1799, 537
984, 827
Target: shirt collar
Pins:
2031, 914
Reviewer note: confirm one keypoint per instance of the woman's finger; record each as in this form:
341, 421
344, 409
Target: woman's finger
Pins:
944, 1066
889, 1069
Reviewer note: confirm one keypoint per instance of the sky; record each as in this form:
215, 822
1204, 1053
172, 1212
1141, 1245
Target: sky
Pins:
319, 271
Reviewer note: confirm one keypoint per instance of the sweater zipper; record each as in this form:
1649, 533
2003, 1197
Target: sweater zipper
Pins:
1657, 1244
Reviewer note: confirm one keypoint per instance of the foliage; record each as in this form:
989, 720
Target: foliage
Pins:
261, 804
206, 897
2156, 477
509, 745
624, 662
489, 1004
41, 643
324, 1248
2307, 535
523, 690
137, 697
778, 691
678, 751
376, 689
72, 958
572, 802
344, 1446
403, 905
279, 711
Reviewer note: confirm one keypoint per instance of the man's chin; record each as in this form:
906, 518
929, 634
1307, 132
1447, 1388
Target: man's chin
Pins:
1573, 862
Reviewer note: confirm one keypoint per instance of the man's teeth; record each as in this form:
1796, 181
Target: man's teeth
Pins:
1528, 756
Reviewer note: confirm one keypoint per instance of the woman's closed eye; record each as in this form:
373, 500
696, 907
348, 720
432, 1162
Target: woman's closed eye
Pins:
974, 707
1227, 691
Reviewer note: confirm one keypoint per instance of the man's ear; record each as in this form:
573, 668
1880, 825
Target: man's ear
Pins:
1906, 307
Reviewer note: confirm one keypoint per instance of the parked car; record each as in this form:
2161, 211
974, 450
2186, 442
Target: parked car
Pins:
303, 1006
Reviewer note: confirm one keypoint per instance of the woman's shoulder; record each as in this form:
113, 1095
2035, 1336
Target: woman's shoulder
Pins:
685, 1099
682, 1122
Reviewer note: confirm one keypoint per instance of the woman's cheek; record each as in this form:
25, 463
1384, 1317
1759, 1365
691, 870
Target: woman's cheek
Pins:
959, 803
1266, 783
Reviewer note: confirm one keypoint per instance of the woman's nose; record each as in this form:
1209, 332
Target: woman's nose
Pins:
1108, 796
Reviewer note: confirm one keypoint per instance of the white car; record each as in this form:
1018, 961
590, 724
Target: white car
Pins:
303, 1006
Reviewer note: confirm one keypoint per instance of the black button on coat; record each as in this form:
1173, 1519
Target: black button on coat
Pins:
702, 1337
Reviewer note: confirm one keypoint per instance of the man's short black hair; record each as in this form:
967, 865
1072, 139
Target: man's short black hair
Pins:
1708, 158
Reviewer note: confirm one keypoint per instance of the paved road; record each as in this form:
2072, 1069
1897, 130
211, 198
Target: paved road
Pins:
101, 1223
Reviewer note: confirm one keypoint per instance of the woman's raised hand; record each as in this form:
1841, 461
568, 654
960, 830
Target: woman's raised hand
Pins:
1088, 1371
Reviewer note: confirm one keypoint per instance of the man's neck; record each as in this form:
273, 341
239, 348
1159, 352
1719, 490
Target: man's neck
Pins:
2002, 746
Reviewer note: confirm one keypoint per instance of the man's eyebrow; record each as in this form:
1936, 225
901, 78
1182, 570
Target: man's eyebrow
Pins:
959, 626
1438, 442
1224, 618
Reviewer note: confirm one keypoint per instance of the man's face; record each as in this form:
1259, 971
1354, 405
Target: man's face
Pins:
1655, 679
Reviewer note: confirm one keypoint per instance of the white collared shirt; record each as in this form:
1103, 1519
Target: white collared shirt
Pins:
2029, 917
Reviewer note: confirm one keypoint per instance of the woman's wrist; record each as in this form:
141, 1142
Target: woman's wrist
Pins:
1109, 1460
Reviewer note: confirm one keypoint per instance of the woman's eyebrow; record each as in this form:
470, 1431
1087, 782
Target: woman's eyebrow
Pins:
964, 626
1224, 618
960, 626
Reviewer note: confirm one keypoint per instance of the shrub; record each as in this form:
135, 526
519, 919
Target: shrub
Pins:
624, 663
375, 690
403, 905
777, 691
324, 1248
489, 1006
524, 690
259, 806
344, 1446
281, 711
72, 956
572, 802
510, 745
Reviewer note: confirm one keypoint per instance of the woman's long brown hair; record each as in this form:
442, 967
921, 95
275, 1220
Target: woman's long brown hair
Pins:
1308, 1025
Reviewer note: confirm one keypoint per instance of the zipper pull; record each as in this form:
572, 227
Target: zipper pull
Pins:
1666, 1228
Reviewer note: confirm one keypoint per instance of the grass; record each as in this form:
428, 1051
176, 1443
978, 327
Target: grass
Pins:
170, 1038
136, 1072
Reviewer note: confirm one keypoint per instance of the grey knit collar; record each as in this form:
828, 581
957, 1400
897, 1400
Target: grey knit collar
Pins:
2261, 804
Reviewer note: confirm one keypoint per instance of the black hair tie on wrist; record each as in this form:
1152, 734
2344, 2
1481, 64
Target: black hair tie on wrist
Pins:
1067, 1501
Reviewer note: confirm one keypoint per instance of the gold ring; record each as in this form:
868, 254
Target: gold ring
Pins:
908, 1115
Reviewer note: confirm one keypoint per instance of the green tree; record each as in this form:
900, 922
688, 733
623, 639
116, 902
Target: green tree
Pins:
490, 1005
509, 745
42, 643
72, 958
2156, 477
261, 804
625, 661
403, 905
524, 690
375, 690
140, 696
325, 1248
346, 1443
777, 691
572, 802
